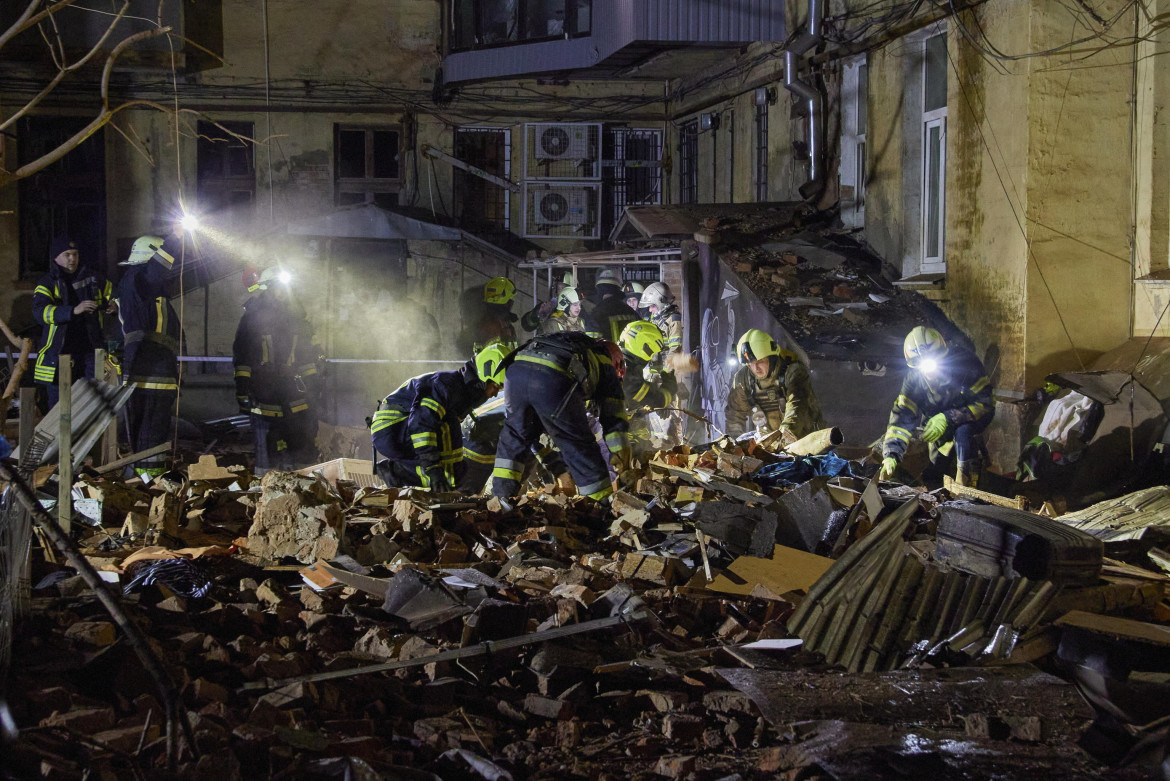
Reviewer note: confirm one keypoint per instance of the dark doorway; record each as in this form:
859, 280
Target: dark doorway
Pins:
69, 196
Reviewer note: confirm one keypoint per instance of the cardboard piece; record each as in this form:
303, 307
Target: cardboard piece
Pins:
321, 575
159, 552
789, 569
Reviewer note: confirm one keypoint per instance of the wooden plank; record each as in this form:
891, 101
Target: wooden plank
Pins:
1119, 628
128, 460
1018, 503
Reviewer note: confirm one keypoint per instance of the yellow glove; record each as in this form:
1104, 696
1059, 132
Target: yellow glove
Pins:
935, 428
889, 465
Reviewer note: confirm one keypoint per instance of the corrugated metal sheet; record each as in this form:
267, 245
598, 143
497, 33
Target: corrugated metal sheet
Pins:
619, 23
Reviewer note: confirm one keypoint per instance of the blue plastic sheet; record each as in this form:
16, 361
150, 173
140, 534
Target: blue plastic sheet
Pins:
801, 470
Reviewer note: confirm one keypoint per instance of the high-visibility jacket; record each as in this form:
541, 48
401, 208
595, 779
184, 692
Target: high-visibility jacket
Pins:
785, 397
959, 388
669, 322
609, 318
420, 421
150, 328
54, 298
274, 356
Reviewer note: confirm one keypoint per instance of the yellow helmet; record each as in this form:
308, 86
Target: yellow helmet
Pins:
489, 360
923, 348
756, 345
499, 290
567, 298
642, 339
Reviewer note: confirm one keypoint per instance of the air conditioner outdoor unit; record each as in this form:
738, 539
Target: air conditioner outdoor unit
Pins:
561, 207
562, 142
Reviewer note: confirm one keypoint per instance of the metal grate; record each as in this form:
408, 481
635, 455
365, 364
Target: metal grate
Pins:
688, 162
762, 152
480, 205
631, 173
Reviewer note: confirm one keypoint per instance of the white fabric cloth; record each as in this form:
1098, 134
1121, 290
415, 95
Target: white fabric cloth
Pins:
1063, 415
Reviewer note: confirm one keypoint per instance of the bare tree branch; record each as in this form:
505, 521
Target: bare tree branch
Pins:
63, 72
27, 20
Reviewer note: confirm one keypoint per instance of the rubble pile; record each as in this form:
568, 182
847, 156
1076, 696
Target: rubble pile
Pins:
321, 627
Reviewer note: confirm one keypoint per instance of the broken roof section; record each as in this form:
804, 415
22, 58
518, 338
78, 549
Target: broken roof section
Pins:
369, 221
681, 221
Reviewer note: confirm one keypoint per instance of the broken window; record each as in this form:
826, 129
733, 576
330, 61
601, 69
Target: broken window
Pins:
367, 165
67, 197
225, 168
688, 162
631, 173
934, 134
480, 205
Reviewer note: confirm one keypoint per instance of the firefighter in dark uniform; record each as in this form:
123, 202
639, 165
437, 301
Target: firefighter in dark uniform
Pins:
418, 427
276, 374
611, 314
150, 355
550, 381
775, 383
498, 320
645, 388
481, 436
69, 302
948, 387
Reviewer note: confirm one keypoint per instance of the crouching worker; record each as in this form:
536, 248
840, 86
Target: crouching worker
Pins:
481, 437
947, 387
549, 383
775, 382
417, 427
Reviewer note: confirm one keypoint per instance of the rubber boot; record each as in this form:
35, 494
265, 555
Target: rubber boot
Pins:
968, 473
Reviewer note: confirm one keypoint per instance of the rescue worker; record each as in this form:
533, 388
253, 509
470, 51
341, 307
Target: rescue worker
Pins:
497, 321
531, 320
633, 293
276, 373
611, 314
69, 301
947, 387
641, 342
550, 381
481, 437
150, 354
567, 316
418, 427
774, 382
658, 301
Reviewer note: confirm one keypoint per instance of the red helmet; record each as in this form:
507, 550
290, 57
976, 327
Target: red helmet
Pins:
616, 357
251, 278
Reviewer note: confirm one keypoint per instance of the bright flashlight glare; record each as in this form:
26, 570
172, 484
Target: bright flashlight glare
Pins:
732, 362
189, 222
283, 277
928, 366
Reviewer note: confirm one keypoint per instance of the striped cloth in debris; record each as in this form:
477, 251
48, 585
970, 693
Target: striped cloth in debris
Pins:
181, 576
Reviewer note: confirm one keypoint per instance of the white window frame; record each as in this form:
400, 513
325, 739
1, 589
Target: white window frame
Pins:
937, 262
852, 168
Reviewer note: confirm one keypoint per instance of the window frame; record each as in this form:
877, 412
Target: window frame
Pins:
760, 127
506, 134
368, 185
936, 118
688, 161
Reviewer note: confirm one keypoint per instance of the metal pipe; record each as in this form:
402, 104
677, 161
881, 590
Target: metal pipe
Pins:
806, 92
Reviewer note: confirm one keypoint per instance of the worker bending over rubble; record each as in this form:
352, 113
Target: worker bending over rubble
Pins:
276, 373
567, 316
481, 437
947, 387
418, 427
549, 383
647, 387
775, 382
150, 357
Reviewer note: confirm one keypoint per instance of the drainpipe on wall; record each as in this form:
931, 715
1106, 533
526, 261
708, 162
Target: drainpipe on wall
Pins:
809, 94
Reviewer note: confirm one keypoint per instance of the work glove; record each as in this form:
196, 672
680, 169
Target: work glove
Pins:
245, 405
935, 428
889, 465
438, 479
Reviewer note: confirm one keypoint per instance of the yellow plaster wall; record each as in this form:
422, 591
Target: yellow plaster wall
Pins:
884, 213
1079, 191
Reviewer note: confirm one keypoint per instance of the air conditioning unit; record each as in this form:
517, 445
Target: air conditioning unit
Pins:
562, 142
563, 206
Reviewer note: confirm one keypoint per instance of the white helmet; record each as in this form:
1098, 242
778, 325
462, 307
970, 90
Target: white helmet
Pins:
656, 294
567, 298
145, 248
